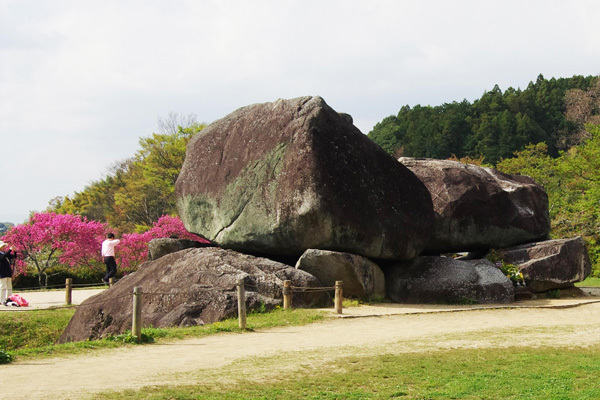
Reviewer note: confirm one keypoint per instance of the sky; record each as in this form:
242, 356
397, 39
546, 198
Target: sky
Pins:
82, 81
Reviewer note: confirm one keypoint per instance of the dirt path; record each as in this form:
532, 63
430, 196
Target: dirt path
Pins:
268, 352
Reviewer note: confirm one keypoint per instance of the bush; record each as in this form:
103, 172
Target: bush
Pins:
512, 271
5, 357
593, 246
128, 337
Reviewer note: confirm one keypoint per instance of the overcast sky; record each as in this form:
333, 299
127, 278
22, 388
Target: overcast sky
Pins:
81, 81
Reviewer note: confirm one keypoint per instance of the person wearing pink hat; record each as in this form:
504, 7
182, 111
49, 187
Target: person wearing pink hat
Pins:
6, 254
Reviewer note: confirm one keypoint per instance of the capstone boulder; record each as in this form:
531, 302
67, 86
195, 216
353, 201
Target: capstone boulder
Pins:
429, 279
283, 177
361, 277
479, 208
190, 287
551, 264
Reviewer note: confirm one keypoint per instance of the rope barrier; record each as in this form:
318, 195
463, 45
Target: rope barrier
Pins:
88, 284
48, 287
313, 289
106, 300
137, 294
49, 308
32, 289
221, 289
287, 290
212, 289
102, 285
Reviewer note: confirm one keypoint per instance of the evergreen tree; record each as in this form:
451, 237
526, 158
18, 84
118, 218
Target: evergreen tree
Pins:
494, 126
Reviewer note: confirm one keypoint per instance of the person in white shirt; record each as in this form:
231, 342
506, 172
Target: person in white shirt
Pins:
108, 252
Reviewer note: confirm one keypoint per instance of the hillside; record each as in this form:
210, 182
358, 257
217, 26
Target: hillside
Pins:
494, 126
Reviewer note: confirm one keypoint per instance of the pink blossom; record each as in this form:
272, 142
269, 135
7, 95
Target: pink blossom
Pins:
133, 250
50, 239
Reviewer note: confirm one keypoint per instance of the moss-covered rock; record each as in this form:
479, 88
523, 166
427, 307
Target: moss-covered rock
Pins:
283, 177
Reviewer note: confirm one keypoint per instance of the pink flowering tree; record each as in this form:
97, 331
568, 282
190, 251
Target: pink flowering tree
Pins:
133, 249
50, 239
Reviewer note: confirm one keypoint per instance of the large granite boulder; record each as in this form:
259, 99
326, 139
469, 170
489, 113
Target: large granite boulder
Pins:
162, 246
283, 177
361, 277
429, 279
190, 287
480, 208
551, 264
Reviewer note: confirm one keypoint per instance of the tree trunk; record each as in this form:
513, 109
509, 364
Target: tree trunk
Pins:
42, 279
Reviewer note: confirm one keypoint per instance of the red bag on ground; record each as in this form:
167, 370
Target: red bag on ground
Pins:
19, 300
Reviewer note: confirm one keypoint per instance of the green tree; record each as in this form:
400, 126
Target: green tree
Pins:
137, 191
149, 190
572, 184
455, 128
387, 135
5, 226
494, 126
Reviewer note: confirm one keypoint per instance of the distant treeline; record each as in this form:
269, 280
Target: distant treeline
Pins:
492, 127
4, 227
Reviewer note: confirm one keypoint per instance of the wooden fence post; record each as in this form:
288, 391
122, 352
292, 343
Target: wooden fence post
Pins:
241, 293
136, 322
68, 291
338, 296
287, 295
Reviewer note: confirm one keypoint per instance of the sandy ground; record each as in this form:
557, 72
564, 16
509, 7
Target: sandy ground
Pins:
265, 354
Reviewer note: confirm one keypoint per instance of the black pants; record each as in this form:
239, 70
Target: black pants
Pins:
111, 268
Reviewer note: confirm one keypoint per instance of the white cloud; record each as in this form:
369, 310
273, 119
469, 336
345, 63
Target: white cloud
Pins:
81, 81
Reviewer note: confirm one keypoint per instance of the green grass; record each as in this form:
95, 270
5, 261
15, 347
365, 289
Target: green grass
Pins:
255, 321
589, 282
514, 373
32, 329
33, 333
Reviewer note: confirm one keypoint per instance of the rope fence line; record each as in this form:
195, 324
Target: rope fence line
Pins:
80, 285
104, 301
49, 287
37, 289
112, 281
137, 294
312, 289
288, 290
